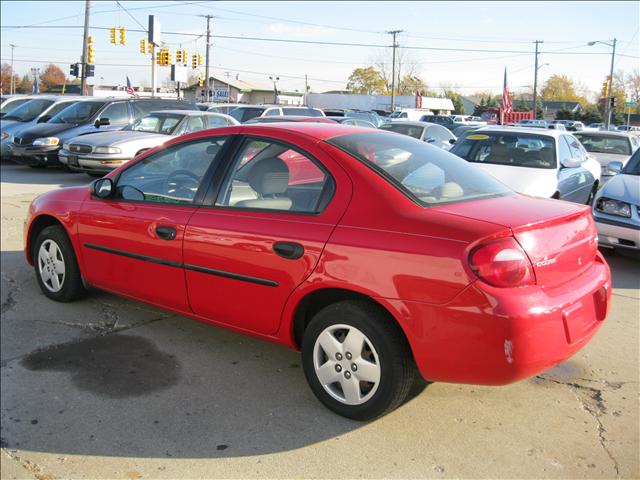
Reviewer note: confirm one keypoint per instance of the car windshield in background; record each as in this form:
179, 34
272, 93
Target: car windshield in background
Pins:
633, 166
513, 149
77, 113
29, 110
410, 130
604, 143
243, 114
10, 106
427, 174
306, 112
164, 124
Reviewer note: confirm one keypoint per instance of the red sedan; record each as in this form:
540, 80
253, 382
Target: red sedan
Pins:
373, 253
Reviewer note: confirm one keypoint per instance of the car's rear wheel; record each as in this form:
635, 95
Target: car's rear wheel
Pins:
56, 265
357, 360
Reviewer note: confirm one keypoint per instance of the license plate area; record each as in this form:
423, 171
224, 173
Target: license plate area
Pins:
578, 320
73, 160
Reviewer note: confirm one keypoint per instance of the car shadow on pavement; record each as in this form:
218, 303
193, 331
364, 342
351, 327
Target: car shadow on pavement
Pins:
11, 172
163, 386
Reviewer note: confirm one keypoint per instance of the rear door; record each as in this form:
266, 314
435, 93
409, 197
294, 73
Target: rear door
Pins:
263, 232
574, 183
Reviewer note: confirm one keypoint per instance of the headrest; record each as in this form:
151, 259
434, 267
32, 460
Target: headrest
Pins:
269, 176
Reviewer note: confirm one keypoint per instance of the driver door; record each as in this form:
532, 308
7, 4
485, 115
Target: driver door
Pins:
131, 243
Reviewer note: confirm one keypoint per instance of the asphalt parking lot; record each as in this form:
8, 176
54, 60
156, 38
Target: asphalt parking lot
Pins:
110, 388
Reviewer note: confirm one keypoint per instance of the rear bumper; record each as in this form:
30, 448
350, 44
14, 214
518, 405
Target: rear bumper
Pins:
493, 336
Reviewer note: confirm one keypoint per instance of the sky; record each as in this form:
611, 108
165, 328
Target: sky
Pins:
464, 45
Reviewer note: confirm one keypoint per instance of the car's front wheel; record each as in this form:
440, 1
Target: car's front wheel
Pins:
56, 266
357, 360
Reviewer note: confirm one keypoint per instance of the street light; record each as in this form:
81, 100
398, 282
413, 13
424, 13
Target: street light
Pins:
275, 89
607, 106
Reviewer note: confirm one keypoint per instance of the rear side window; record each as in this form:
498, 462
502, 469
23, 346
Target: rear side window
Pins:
307, 112
427, 174
117, 113
410, 130
244, 114
508, 148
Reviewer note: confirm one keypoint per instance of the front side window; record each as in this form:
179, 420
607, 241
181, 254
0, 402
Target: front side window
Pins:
172, 176
78, 113
577, 151
428, 175
272, 112
117, 113
508, 148
272, 176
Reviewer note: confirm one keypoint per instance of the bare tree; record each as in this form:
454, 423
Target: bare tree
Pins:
406, 68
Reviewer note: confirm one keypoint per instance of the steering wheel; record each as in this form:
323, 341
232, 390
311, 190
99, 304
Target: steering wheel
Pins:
181, 184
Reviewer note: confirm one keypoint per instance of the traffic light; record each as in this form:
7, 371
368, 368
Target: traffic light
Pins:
123, 36
178, 56
160, 58
614, 102
194, 61
91, 70
201, 81
112, 35
143, 46
167, 58
90, 50
74, 70
185, 57
199, 59
150, 48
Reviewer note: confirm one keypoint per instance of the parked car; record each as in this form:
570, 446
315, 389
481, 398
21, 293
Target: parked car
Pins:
542, 163
437, 135
370, 117
557, 126
464, 120
10, 102
459, 131
533, 123
358, 122
224, 107
608, 147
38, 146
595, 126
98, 154
38, 110
616, 208
267, 230
243, 113
630, 129
290, 118
412, 114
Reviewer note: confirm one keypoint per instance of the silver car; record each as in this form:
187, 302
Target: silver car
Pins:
608, 147
616, 208
432, 133
99, 153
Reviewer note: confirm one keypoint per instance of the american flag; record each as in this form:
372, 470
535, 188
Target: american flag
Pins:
130, 89
507, 107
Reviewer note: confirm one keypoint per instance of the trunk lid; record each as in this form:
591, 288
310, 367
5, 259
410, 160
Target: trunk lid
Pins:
559, 237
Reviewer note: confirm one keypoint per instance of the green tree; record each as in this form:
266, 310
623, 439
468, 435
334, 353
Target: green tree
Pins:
589, 114
368, 81
564, 114
410, 84
456, 99
25, 85
522, 106
561, 88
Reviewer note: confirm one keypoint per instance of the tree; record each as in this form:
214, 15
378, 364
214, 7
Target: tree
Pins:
405, 68
456, 99
564, 114
617, 90
589, 114
368, 81
561, 88
25, 85
410, 85
6, 78
51, 77
522, 106
633, 88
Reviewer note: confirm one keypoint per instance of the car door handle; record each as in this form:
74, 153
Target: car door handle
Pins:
166, 233
288, 250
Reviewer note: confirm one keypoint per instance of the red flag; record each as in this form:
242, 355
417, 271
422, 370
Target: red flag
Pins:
507, 107
129, 89
418, 100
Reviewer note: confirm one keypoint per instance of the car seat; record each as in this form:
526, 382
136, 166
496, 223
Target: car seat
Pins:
270, 179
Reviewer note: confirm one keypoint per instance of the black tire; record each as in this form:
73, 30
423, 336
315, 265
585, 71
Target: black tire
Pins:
71, 287
396, 366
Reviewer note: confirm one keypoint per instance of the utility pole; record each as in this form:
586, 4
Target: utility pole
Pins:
228, 76
12, 87
85, 38
610, 92
535, 82
393, 70
208, 56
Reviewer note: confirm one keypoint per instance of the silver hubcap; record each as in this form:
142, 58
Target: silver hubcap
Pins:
51, 266
346, 364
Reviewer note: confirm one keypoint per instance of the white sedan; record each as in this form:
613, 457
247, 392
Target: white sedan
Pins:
541, 163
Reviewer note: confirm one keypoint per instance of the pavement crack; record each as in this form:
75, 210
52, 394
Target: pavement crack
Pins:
10, 301
33, 468
591, 401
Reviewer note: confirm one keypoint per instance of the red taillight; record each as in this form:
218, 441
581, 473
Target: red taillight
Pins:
502, 263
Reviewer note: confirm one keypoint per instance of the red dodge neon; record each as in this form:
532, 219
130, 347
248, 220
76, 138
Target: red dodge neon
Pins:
375, 254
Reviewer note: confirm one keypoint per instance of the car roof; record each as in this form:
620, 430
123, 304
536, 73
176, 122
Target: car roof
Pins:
183, 112
414, 123
530, 130
316, 130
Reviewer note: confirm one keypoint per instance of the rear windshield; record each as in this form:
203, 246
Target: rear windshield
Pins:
427, 174
513, 149
604, 143
78, 112
633, 167
243, 114
307, 112
28, 111
411, 130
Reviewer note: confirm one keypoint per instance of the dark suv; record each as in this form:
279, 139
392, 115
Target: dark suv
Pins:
39, 145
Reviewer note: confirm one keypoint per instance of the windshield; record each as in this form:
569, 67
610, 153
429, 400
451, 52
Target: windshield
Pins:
77, 113
604, 143
513, 149
242, 114
8, 106
29, 110
307, 112
633, 166
165, 124
427, 174
411, 130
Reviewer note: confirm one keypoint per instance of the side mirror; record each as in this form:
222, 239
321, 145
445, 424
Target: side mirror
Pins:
615, 167
452, 141
570, 163
430, 140
44, 119
101, 121
102, 188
